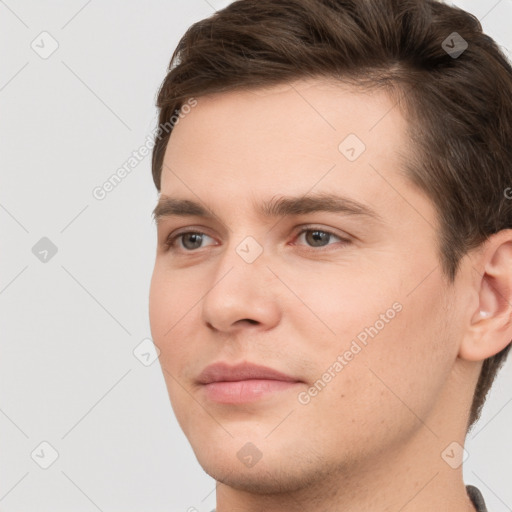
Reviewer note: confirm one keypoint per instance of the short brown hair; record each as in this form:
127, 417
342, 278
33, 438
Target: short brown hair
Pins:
459, 107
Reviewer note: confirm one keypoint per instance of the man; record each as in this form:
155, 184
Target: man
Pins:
332, 287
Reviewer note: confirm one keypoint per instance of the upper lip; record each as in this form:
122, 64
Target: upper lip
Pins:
219, 372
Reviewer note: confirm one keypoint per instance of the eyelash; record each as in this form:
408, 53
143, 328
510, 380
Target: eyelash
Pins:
170, 242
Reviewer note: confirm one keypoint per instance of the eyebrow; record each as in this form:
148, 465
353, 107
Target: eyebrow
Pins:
276, 207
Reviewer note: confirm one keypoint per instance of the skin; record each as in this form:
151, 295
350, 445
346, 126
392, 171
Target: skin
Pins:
372, 438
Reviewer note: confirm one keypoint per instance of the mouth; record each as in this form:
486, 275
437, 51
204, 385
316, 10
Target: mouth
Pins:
243, 383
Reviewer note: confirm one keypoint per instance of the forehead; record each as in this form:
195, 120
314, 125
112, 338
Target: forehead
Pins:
307, 136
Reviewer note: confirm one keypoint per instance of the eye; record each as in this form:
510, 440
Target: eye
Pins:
190, 240
319, 237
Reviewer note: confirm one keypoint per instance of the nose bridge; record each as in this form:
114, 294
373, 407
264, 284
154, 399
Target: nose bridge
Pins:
243, 258
246, 242
241, 285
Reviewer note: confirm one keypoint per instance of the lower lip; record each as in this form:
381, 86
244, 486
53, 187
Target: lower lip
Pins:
242, 391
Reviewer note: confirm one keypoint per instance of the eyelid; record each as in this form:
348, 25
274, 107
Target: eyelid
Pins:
316, 227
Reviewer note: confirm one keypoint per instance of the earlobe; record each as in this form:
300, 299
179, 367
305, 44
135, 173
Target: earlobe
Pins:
490, 327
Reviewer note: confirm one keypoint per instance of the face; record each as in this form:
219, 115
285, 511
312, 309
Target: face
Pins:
350, 303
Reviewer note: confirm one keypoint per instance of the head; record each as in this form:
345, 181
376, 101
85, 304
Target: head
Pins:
365, 100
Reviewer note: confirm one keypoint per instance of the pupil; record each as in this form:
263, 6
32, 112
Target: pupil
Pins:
318, 236
193, 235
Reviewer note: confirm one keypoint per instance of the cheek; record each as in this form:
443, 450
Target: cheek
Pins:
174, 315
170, 299
394, 346
399, 374
165, 310
164, 314
336, 305
160, 303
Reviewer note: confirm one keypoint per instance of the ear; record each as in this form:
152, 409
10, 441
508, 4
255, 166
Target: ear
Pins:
490, 328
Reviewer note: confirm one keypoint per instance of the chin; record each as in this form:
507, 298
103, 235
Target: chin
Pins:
260, 479
279, 470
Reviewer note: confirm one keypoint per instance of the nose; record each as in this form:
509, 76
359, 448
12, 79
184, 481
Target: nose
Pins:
243, 291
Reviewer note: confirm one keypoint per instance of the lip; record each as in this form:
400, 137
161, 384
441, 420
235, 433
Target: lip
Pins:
222, 372
243, 383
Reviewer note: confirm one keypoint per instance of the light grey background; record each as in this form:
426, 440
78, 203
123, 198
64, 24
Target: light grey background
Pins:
68, 374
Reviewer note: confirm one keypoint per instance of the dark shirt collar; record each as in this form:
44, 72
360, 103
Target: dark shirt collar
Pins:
477, 498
